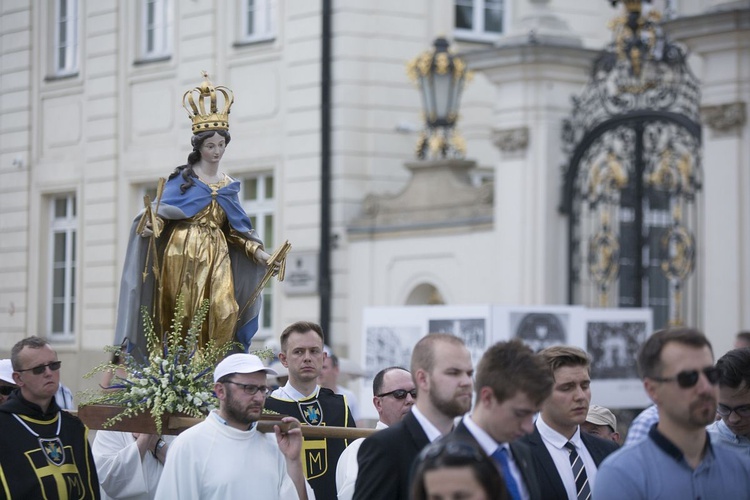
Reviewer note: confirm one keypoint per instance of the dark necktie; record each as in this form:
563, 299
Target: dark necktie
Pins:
501, 457
579, 473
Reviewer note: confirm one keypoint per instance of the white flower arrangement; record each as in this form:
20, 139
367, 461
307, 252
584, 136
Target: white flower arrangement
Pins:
176, 378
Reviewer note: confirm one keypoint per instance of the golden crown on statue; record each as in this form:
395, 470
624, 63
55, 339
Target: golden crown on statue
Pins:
206, 95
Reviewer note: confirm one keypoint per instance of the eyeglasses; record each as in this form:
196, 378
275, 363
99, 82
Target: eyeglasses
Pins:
452, 449
689, 378
5, 390
38, 370
741, 411
251, 389
400, 394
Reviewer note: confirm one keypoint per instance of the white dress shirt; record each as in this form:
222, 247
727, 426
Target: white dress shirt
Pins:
348, 467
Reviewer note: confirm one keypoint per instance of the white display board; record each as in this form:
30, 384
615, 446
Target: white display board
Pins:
610, 336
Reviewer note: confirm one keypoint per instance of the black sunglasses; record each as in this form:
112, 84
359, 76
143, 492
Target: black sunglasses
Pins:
741, 411
5, 390
689, 378
38, 370
400, 394
250, 388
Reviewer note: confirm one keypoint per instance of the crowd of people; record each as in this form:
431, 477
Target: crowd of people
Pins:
519, 425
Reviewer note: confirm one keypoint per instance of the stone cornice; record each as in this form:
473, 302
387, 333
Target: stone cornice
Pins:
438, 196
722, 21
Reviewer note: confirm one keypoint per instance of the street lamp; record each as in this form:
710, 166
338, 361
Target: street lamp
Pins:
440, 77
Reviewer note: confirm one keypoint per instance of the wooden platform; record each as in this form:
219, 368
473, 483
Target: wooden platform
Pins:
94, 416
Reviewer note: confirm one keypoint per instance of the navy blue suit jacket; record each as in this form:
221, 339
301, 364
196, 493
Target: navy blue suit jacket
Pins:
385, 460
521, 456
550, 484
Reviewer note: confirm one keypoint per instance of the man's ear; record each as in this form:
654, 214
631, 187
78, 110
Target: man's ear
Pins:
377, 403
422, 380
17, 379
221, 391
282, 358
650, 387
486, 395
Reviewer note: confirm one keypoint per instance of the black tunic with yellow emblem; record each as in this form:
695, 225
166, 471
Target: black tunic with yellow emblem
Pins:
44, 455
319, 456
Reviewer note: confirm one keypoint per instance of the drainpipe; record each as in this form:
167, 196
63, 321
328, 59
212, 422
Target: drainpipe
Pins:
324, 265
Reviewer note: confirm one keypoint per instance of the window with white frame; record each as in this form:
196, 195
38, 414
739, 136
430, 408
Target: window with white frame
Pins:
156, 28
479, 19
257, 20
65, 33
257, 195
62, 268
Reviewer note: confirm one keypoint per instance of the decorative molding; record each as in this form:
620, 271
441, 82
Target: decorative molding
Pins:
512, 139
725, 117
438, 196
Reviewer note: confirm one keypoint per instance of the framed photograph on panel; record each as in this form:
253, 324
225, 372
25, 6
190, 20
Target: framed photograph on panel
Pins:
613, 337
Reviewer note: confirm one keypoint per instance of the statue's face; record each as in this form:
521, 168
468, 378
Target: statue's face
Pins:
213, 148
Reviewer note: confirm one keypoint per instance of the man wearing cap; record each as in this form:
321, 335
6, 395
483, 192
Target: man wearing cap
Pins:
44, 452
302, 353
225, 456
602, 423
7, 385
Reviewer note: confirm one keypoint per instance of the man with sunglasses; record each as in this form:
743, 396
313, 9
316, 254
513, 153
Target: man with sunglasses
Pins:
678, 460
733, 429
225, 456
44, 451
394, 395
7, 384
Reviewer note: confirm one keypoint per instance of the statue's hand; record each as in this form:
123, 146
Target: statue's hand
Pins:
262, 256
148, 229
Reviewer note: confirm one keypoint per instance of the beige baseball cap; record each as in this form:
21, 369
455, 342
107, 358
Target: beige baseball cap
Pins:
599, 415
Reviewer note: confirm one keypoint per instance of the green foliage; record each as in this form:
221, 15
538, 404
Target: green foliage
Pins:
176, 378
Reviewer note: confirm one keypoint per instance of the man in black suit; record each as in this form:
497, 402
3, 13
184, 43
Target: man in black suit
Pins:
442, 371
564, 458
511, 384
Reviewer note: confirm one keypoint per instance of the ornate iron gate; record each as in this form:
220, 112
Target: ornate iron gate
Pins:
634, 153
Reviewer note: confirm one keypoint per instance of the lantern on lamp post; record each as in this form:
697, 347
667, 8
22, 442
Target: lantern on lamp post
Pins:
440, 77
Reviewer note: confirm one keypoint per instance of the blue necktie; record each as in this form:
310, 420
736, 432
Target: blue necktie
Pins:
501, 456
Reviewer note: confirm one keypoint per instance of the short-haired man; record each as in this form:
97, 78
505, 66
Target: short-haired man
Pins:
44, 452
301, 397
734, 402
601, 422
225, 456
7, 384
677, 460
394, 394
442, 370
566, 459
511, 384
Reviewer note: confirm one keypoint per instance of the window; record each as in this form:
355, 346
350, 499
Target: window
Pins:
257, 195
62, 261
479, 19
257, 20
156, 29
65, 32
